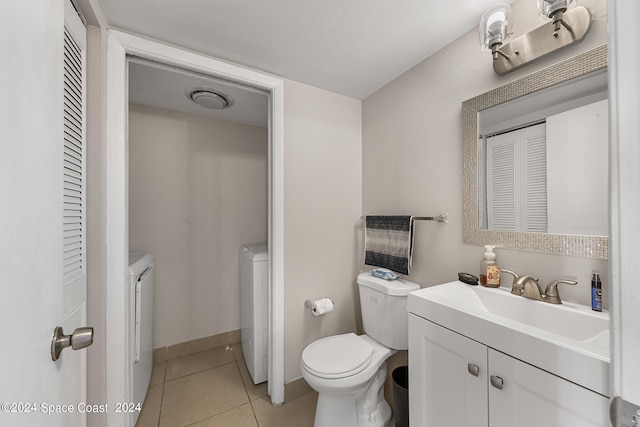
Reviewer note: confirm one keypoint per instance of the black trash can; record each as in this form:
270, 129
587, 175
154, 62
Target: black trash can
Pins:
400, 377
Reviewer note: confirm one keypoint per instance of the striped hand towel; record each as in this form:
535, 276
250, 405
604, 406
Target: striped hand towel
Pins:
388, 242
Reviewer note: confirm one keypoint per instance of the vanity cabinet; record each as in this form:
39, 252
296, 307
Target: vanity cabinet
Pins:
458, 381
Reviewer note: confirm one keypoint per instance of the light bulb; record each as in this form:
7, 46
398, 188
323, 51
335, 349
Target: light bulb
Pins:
548, 8
495, 27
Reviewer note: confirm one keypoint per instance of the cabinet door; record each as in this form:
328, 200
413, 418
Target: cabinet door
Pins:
531, 397
445, 390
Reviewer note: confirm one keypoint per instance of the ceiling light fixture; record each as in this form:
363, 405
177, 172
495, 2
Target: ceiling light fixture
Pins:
209, 98
567, 26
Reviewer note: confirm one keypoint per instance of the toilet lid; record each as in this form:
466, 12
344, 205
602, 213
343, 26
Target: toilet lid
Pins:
337, 356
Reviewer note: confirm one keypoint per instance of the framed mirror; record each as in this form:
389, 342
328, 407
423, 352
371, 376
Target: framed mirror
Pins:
485, 115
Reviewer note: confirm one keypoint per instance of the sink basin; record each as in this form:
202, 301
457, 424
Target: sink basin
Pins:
570, 320
569, 339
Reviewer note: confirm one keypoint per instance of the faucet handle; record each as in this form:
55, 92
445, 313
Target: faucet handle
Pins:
513, 273
551, 294
519, 281
516, 287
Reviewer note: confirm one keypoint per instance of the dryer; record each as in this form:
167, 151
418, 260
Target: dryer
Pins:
254, 309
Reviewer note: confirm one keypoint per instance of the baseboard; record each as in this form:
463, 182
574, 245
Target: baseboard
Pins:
296, 388
194, 346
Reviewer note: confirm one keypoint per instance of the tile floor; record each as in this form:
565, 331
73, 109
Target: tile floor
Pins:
213, 388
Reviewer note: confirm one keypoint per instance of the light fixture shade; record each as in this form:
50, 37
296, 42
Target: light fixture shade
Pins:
547, 8
495, 26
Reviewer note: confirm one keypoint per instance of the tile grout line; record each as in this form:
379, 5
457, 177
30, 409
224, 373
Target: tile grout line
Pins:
215, 415
246, 390
253, 411
199, 372
164, 381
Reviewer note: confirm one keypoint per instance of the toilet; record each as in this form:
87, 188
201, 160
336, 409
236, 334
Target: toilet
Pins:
348, 371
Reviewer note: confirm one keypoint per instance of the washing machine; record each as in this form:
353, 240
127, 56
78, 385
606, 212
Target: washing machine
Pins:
140, 303
254, 309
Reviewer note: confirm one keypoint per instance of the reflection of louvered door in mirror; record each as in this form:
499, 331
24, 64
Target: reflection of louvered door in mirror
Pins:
516, 186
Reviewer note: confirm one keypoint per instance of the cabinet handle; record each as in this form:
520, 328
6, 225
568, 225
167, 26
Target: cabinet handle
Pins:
473, 369
496, 381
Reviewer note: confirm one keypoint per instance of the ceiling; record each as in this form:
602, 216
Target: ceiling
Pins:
161, 86
351, 47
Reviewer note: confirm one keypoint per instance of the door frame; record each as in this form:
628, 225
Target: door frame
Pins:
624, 246
120, 45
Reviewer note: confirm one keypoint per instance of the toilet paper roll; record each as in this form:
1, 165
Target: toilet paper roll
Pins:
322, 306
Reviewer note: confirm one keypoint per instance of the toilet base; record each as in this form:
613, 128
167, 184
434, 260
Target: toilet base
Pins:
364, 408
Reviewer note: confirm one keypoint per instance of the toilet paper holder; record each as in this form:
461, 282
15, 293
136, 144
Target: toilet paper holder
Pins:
313, 306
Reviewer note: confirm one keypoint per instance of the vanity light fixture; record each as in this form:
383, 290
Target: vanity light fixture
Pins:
567, 25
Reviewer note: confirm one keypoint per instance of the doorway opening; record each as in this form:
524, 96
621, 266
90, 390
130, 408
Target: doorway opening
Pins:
197, 181
122, 47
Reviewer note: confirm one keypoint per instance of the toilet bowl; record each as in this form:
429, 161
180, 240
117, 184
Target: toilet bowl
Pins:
348, 371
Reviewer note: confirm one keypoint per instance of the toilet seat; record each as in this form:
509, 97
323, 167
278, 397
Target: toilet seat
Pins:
337, 356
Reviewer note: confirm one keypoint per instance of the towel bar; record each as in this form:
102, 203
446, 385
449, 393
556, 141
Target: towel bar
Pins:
440, 218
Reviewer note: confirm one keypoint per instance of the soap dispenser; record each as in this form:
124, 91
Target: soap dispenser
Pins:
489, 270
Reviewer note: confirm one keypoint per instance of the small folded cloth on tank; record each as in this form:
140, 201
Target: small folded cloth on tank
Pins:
384, 273
388, 242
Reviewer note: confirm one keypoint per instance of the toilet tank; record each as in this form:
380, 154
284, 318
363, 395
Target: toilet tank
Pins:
384, 309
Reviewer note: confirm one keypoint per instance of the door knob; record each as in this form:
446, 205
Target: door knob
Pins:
80, 338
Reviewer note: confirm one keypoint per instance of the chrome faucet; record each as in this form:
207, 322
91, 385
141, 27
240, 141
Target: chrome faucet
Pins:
528, 287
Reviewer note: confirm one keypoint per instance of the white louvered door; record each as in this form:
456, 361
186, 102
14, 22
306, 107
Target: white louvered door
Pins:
73, 364
73, 173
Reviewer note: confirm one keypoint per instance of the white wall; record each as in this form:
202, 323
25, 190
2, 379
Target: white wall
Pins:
323, 181
578, 171
197, 192
412, 155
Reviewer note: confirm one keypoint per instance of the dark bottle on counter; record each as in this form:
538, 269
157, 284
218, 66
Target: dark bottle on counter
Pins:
596, 292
